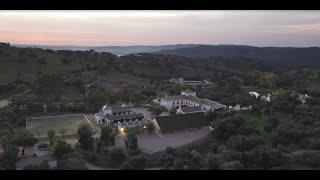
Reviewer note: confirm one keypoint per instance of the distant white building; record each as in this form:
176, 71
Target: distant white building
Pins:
189, 93
190, 100
176, 80
255, 94
266, 98
207, 84
303, 97
239, 108
193, 83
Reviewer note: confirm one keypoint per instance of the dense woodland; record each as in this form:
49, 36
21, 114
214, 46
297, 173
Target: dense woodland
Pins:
282, 134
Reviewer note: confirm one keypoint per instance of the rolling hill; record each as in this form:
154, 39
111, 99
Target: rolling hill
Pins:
117, 50
278, 55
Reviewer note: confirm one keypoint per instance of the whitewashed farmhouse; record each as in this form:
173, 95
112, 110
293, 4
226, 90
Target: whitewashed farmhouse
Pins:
189, 99
120, 117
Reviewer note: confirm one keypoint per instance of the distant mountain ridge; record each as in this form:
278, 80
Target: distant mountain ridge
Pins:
279, 55
291, 56
117, 50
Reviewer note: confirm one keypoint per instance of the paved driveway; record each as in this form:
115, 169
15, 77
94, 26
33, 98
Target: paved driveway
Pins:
154, 143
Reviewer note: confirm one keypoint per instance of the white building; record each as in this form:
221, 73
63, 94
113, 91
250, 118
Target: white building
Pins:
239, 108
176, 80
303, 98
255, 94
119, 117
190, 101
189, 93
207, 84
266, 98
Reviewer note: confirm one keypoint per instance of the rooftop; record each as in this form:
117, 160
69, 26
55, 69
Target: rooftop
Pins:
181, 121
216, 105
192, 81
130, 116
191, 109
120, 109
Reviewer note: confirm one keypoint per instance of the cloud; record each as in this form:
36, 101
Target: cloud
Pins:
158, 27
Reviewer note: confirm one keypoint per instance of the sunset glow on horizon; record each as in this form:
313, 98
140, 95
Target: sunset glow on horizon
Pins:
102, 28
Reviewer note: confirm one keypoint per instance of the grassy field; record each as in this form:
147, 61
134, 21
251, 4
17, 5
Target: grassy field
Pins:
40, 127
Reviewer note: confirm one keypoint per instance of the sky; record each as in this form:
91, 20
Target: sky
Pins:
103, 28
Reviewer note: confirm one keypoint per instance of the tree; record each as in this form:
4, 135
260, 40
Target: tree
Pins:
195, 162
107, 136
97, 99
244, 143
10, 157
44, 165
268, 79
127, 166
66, 61
49, 85
177, 164
42, 61
232, 165
51, 134
147, 128
117, 156
132, 142
85, 136
23, 139
62, 150
150, 127
156, 109
264, 79
134, 163
213, 163
22, 60
228, 127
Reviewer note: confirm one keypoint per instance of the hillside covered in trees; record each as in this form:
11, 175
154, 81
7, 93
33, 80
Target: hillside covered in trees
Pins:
280, 134
277, 55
